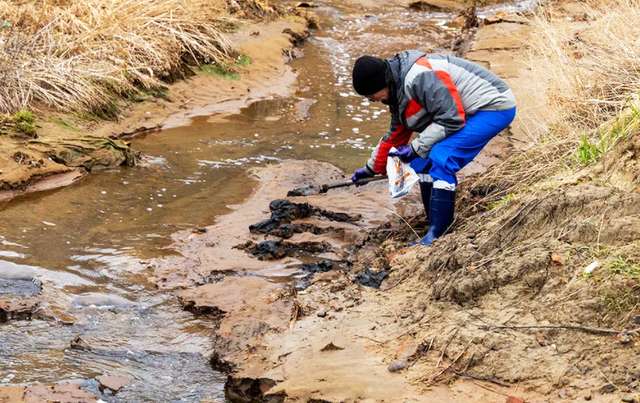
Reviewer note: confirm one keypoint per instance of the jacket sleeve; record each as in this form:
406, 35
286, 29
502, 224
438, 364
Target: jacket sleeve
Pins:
437, 93
397, 135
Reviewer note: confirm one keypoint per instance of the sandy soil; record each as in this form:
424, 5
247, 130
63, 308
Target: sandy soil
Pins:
212, 275
63, 392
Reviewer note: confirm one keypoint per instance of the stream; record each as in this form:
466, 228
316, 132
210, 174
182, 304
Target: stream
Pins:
87, 244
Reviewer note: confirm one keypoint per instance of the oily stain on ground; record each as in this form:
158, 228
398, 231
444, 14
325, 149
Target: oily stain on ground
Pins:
284, 212
281, 225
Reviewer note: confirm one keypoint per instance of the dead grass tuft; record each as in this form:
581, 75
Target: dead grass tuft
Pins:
77, 55
592, 62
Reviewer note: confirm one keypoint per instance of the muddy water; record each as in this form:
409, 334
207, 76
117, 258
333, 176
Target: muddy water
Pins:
88, 243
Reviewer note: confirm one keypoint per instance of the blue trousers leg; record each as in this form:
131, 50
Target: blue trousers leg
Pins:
449, 156
453, 153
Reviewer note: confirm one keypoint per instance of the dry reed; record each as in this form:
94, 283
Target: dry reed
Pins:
78, 55
592, 62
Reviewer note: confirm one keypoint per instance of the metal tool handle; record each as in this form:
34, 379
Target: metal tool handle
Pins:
335, 185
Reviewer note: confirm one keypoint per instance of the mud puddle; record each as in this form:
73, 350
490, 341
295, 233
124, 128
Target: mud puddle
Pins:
82, 252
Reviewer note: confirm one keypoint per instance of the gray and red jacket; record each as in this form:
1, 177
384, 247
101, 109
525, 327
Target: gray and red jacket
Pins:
434, 95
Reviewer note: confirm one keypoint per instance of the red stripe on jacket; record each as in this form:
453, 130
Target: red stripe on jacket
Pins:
448, 83
424, 62
397, 138
412, 108
453, 91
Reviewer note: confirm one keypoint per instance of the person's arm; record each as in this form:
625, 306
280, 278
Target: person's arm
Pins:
396, 136
437, 93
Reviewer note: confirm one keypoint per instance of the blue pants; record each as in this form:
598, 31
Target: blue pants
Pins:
454, 152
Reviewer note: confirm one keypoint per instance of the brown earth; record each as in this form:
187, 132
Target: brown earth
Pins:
17, 308
68, 146
64, 392
501, 307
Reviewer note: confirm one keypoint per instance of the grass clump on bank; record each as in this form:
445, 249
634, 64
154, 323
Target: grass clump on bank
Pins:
592, 148
225, 70
592, 64
75, 55
22, 122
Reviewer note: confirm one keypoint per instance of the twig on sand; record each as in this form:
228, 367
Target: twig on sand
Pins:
607, 379
587, 329
421, 351
397, 283
490, 389
483, 378
388, 340
448, 367
444, 349
371, 339
405, 221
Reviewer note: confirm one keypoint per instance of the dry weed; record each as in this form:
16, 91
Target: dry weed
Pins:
592, 62
73, 55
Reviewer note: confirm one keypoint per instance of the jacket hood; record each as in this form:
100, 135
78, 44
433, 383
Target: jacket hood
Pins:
399, 66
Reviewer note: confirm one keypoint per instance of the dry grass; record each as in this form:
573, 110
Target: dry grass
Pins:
77, 55
593, 63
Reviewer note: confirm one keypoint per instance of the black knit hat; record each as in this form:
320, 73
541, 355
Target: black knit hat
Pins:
369, 75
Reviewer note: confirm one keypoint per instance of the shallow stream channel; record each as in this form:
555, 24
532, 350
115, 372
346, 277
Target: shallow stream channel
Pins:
84, 249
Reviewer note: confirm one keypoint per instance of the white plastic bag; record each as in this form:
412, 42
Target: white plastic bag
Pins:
401, 177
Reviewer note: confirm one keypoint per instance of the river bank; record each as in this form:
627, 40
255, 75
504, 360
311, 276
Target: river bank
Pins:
67, 146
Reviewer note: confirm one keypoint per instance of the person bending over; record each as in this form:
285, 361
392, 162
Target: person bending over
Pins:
454, 106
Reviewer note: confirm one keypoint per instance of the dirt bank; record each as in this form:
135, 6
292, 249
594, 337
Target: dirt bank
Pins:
67, 146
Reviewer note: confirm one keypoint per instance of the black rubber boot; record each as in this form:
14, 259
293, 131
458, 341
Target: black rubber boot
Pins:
425, 192
441, 213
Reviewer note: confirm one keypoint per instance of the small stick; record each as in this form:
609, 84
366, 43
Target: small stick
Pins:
433, 378
370, 339
405, 221
431, 343
447, 346
421, 352
607, 379
388, 340
592, 330
490, 379
490, 389
466, 367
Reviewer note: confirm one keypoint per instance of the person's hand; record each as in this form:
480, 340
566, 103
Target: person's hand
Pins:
361, 173
405, 153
